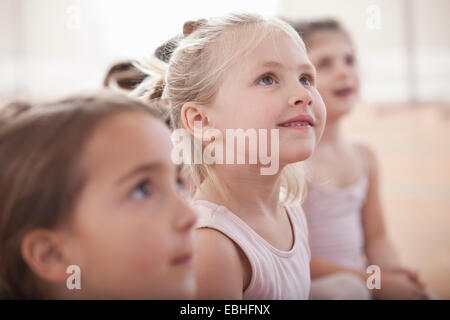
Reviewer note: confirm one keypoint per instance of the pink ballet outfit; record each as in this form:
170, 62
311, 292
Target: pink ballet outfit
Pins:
276, 274
334, 221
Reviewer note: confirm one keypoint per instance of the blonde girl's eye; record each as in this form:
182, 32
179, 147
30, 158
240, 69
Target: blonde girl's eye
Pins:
267, 80
141, 191
306, 80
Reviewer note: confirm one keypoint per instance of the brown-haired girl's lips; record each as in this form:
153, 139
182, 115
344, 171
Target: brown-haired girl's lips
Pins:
183, 260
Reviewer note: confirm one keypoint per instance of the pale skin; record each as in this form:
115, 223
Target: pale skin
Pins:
261, 91
131, 233
341, 163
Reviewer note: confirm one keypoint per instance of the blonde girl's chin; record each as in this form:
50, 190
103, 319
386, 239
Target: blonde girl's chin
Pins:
302, 152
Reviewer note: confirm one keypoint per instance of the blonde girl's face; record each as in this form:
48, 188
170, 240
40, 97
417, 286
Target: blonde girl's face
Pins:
337, 74
131, 233
273, 87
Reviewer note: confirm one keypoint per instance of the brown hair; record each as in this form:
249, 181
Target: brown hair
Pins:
41, 174
12, 110
164, 51
308, 28
124, 75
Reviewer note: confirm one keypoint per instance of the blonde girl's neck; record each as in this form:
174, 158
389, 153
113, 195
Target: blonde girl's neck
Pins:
245, 191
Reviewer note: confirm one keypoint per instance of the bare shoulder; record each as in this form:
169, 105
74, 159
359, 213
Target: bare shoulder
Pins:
219, 267
367, 155
216, 243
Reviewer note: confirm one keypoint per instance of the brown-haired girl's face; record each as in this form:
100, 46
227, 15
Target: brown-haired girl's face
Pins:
337, 76
131, 234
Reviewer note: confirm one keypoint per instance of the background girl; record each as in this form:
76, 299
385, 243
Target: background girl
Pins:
343, 207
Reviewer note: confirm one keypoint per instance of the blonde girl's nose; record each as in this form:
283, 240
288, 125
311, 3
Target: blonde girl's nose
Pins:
300, 99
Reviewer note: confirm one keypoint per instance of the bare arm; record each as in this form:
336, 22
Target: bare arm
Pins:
378, 248
219, 269
394, 285
321, 267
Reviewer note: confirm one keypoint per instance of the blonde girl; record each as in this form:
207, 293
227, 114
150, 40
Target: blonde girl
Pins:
250, 72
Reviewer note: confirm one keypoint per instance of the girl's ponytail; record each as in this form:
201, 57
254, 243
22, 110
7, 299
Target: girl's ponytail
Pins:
151, 89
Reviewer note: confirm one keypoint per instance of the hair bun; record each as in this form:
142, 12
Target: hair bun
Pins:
191, 26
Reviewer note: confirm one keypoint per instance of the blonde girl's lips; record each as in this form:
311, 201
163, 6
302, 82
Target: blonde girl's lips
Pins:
300, 122
297, 125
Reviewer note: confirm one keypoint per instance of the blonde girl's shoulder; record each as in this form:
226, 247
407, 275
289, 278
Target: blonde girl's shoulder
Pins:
219, 268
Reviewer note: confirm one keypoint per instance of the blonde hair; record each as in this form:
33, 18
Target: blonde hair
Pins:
196, 69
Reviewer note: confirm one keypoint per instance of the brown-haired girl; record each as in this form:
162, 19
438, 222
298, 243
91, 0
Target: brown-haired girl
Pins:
87, 182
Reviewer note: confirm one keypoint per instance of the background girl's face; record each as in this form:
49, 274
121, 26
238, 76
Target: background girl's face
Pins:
267, 89
337, 77
131, 234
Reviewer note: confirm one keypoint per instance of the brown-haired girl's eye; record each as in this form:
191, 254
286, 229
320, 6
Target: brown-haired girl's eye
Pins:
180, 184
141, 191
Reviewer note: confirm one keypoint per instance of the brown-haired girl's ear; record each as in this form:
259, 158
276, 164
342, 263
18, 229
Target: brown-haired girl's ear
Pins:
193, 114
43, 253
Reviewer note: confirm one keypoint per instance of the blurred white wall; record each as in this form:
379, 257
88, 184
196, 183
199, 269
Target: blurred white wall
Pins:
404, 58
52, 47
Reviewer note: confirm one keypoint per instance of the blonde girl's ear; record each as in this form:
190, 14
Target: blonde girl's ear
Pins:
42, 251
193, 115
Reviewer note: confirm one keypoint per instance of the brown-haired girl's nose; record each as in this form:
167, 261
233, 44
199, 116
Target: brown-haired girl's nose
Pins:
185, 217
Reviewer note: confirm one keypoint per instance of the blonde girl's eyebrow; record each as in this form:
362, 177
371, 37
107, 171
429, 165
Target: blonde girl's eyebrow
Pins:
274, 64
308, 67
144, 168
